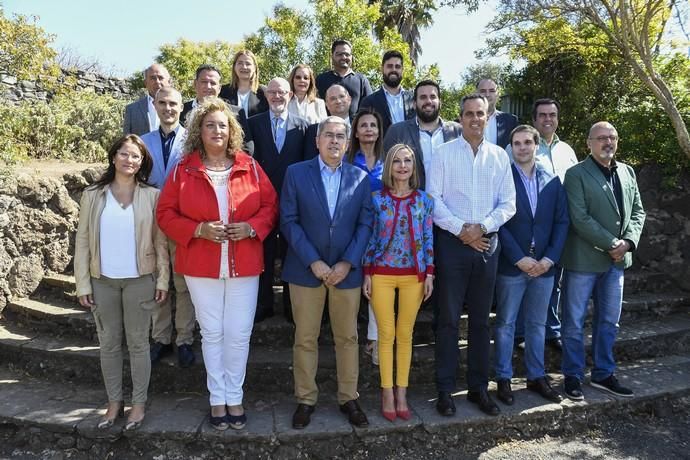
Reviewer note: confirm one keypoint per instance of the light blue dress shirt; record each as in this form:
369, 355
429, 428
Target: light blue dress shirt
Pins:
279, 128
331, 184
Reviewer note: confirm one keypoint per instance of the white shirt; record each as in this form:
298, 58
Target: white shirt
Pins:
491, 130
471, 189
118, 240
243, 101
219, 179
430, 143
154, 123
395, 106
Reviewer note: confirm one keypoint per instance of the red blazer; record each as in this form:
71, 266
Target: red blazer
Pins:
188, 198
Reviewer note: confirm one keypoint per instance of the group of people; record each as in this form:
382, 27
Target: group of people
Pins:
357, 193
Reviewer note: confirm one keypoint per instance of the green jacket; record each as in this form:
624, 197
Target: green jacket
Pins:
594, 218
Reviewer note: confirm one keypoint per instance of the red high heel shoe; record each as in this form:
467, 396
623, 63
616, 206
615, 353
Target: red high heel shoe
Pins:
403, 414
388, 415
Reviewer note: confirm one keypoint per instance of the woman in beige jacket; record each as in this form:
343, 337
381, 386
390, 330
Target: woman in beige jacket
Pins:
121, 270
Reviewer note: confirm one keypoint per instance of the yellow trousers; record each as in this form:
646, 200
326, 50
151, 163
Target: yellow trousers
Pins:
410, 294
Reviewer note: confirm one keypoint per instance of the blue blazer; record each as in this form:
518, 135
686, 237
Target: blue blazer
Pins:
275, 163
548, 227
310, 232
152, 140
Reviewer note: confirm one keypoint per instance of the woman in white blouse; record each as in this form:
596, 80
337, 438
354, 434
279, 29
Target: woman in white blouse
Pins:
304, 102
121, 270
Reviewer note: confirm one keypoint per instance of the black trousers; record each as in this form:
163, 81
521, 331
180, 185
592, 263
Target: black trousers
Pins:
465, 277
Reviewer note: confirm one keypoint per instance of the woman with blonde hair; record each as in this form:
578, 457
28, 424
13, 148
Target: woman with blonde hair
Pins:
121, 270
218, 205
399, 256
304, 102
244, 89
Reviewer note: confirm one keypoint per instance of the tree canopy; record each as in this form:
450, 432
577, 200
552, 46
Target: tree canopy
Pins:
25, 50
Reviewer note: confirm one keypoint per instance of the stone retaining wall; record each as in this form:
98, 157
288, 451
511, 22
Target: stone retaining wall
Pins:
14, 90
38, 218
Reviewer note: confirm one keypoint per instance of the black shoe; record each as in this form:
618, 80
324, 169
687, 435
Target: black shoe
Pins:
302, 416
573, 389
445, 405
504, 392
220, 423
185, 356
555, 344
542, 386
355, 415
611, 385
158, 350
484, 401
262, 314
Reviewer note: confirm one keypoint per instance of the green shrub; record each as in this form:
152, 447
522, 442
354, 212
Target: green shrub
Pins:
75, 125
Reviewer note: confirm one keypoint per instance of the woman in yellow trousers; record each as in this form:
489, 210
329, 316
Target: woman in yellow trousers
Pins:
399, 256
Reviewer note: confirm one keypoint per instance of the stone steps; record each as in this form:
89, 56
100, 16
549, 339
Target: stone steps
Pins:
38, 414
270, 367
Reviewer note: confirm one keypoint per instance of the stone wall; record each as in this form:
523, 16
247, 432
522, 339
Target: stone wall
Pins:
14, 90
38, 219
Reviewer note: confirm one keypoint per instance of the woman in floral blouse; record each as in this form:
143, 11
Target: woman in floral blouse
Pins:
399, 256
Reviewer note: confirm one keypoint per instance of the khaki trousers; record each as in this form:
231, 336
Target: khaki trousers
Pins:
161, 317
307, 310
124, 302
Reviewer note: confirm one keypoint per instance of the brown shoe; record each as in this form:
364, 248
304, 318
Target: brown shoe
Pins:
354, 413
302, 416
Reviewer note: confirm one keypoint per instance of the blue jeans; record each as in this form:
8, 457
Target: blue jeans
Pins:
530, 296
606, 290
553, 323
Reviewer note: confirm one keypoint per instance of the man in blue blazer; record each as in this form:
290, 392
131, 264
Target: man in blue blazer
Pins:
166, 146
140, 116
278, 137
532, 242
391, 101
499, 124
326, 216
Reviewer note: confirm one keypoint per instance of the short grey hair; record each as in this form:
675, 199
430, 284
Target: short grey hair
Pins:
470, 97
333, 120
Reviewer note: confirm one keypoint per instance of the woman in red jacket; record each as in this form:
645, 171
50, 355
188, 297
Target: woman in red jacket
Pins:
218, 205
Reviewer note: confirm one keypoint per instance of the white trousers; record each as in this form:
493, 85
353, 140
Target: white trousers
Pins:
372, 327
225, 311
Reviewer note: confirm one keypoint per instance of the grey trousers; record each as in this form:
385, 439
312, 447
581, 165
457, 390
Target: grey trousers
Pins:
124, 302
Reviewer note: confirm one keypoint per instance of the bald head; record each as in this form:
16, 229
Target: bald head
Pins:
603, 142
168, 104
338, 101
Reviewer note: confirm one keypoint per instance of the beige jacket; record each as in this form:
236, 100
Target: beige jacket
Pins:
152, 245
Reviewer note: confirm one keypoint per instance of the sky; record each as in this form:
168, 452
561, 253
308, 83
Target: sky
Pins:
124, 36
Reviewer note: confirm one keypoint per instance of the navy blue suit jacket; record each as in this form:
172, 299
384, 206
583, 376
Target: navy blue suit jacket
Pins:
275, 163
310, 231
505, 123
548, 227
377, 100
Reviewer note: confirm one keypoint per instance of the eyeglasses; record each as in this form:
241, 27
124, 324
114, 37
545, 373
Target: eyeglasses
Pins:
277, 93
611, 138
338, 137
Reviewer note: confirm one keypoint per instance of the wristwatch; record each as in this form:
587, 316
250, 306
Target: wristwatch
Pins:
482, 227
252, 232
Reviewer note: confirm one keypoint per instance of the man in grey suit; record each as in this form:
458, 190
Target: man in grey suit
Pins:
425, 132
140, 115
499, 124
166, 146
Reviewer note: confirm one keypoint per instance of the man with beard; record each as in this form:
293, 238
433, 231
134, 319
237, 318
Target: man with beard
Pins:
391, 101
606, 219
425, 132
356, 84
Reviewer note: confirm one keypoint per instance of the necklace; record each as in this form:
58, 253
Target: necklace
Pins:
220, 164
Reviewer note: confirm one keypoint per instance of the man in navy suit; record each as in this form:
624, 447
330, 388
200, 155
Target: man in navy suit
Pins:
498, 124
326, 216
532, 242
278, 137
140, 115
391, 101
166, 147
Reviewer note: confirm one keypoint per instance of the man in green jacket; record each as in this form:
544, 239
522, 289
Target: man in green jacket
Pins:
606, 219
